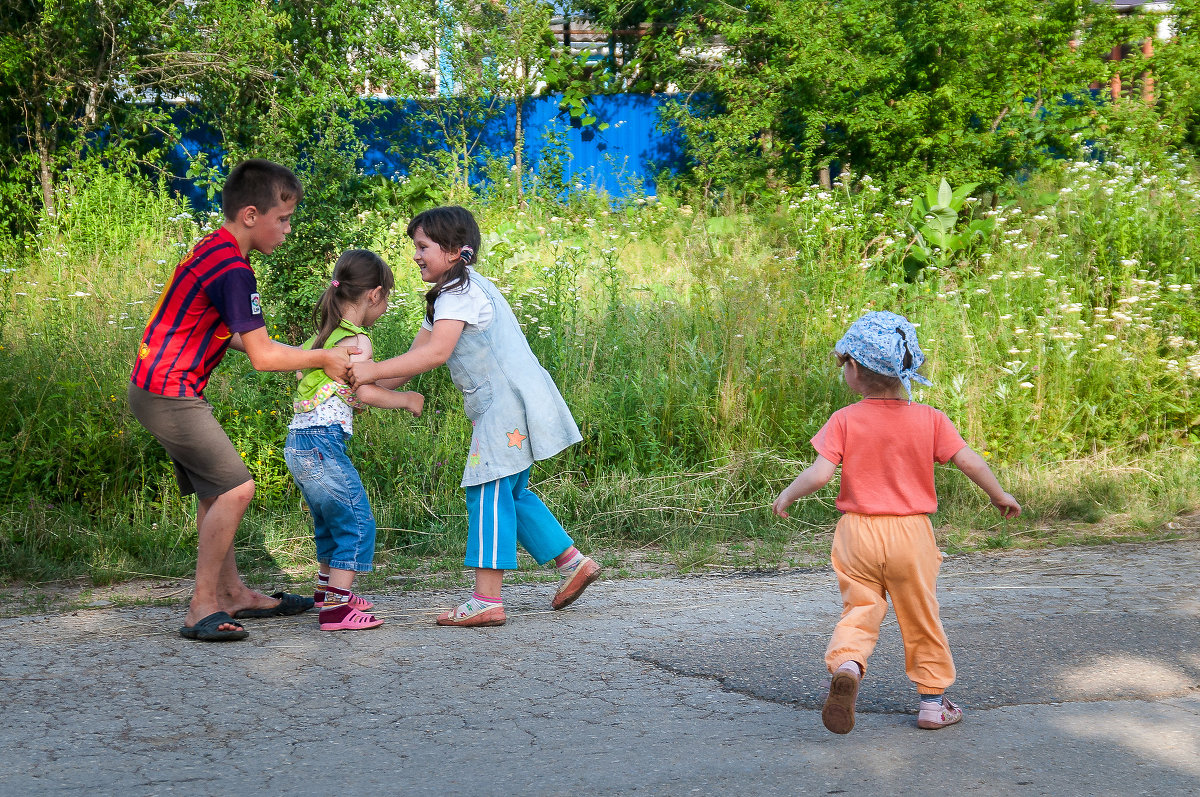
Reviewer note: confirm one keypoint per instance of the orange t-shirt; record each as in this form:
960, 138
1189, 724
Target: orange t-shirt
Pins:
887, 448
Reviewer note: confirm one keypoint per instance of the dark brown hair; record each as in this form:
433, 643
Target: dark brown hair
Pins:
355, 272
259, 183
450, 227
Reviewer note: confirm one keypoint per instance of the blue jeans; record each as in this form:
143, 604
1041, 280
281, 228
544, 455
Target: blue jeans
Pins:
344, 528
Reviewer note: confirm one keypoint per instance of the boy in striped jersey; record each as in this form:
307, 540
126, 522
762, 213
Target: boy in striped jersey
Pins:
212, 304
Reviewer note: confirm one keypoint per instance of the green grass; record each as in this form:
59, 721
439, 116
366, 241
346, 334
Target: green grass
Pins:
694, 349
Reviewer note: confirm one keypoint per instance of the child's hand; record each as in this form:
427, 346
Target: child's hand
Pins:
781, 504
361, 374
414, 402
337, 362
1007, 505
813, 478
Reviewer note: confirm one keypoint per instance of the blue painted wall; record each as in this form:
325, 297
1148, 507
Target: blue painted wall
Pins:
623, 160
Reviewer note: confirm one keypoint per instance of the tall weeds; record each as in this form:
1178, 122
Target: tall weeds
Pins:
694, 348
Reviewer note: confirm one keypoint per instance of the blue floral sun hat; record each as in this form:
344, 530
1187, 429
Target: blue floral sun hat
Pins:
879, 341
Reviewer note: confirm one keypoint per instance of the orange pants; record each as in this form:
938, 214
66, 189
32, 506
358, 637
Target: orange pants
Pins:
876, 556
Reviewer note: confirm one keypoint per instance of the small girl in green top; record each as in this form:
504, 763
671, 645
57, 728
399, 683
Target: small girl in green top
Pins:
315, 452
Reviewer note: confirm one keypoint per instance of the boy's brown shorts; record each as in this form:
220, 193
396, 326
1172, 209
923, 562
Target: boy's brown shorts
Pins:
206, 463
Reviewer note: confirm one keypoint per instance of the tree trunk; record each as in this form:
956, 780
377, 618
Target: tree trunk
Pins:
770, 155
1147, 76
1114, 86
45, 169
519, 150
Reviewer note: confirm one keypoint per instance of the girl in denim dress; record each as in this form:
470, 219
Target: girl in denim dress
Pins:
517, 414
315, 451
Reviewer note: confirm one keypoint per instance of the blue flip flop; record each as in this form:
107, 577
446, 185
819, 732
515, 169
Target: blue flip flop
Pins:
209, 629
289, 604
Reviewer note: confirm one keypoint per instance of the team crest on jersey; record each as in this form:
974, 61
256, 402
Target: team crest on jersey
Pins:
143, 352
255, 304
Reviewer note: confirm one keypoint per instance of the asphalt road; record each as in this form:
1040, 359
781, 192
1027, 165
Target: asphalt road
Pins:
1079, 670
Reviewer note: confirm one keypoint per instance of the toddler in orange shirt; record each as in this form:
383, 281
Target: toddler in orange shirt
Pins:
883, 544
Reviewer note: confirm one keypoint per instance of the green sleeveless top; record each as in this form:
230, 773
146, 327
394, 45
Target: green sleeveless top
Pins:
316, 387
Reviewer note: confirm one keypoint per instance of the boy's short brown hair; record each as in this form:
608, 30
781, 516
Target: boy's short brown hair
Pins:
259, 183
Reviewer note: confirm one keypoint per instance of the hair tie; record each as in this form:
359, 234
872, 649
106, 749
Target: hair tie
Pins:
334, 283
467, 255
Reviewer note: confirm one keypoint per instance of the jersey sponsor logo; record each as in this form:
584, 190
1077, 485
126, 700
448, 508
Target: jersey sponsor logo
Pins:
255, 304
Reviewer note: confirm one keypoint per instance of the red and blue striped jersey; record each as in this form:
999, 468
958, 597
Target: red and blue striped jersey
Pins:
212, 294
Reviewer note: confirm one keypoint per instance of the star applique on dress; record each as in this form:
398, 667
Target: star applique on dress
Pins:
515, 438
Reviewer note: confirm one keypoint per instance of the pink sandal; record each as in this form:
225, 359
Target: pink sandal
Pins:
353, 621
356, 602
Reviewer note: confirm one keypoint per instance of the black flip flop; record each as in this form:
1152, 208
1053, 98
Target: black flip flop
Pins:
289, 604
209, 629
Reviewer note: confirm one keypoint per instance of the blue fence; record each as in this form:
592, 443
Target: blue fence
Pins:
624, 159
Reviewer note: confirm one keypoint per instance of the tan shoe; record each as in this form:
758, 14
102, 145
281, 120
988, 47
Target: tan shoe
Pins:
574, 585
838, 714
493, 615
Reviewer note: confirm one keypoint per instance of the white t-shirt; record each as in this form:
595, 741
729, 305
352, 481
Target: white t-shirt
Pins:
468, 304
328, 413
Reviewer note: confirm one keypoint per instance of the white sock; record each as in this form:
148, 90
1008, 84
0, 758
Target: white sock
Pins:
852, 668
477, 603
571, 565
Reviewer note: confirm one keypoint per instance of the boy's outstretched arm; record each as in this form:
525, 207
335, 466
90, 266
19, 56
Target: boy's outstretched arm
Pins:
978, 471
270, 355
429, 350
813, 478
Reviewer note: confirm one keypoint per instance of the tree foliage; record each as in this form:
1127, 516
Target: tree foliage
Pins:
774, 90
115, 79
770, 92
71, 70
1177, 75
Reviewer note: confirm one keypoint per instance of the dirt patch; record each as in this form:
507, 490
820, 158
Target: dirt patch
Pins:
719, 560
61, 596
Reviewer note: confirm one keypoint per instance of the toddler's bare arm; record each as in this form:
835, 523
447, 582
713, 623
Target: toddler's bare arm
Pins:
814, 477
978, 471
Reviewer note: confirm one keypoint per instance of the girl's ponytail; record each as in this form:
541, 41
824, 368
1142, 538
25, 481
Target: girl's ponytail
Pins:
355, 272
450, 227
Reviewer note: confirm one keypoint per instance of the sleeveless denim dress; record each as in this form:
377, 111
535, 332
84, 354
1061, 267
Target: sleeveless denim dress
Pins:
518, 414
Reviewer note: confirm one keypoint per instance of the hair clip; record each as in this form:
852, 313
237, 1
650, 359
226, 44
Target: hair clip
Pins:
334, 283
467, 255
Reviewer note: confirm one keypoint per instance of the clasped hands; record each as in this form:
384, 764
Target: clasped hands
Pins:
362, 373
